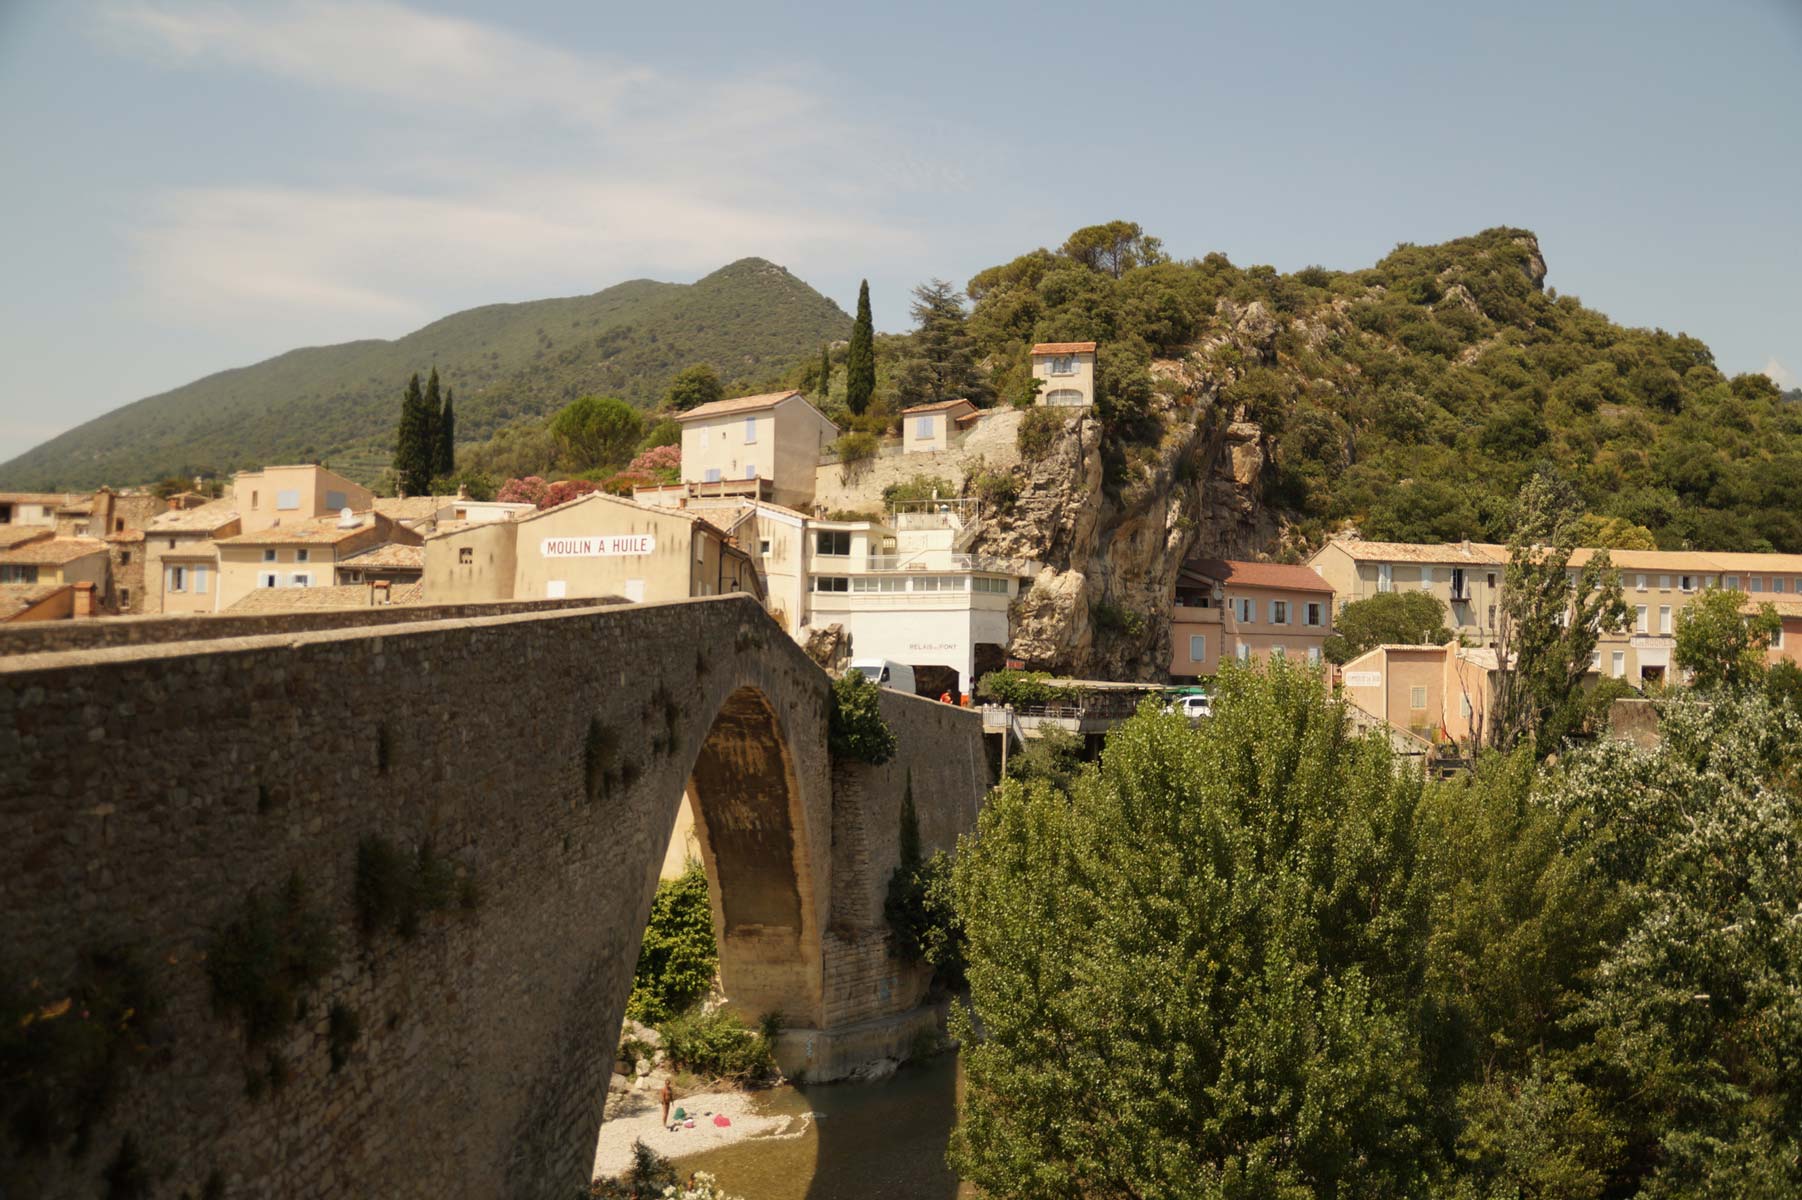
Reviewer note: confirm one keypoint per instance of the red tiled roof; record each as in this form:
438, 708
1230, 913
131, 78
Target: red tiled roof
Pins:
1257, 574
1064, 348
53, 551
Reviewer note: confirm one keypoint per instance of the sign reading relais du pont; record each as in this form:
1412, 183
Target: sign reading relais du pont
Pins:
617, 545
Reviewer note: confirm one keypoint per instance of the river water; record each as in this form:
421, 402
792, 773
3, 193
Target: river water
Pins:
866, 1141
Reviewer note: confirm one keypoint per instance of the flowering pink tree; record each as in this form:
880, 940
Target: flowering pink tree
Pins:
565, 490
530, 490
663, 463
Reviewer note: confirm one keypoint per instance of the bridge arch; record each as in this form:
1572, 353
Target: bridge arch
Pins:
750, 820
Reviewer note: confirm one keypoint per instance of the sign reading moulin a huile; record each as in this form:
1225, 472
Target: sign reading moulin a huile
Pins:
616, 545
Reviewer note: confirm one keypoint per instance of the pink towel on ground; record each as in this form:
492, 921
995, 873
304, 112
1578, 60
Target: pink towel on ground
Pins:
722, 1120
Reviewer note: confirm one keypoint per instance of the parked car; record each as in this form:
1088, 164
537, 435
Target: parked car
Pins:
1192, 707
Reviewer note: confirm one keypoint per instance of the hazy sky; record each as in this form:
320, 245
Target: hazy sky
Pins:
195, 185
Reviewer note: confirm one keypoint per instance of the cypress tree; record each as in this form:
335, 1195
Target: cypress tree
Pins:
860, 361
428, 446
411, 461
445, 456
825, 371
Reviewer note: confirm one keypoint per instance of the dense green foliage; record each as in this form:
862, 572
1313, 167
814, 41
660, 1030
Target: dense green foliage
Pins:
1387, 618
1415, 398
719, 1045
693, 387
596, 432
1552, 616
1720, 645
444, 439
920, 908
512, 364
940, 360
678, 956
860, 358
1194, 971
856, 730
1021, 688
1258, 959
413, 438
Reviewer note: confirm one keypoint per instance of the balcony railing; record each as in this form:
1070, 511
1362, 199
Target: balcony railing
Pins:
921, 564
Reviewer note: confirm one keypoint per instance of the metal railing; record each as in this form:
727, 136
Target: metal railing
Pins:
918, 563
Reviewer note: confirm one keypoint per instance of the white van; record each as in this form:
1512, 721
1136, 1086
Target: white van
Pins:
886, 673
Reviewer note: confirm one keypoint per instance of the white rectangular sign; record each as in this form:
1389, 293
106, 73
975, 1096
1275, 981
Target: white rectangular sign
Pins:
1363, 679
610, 546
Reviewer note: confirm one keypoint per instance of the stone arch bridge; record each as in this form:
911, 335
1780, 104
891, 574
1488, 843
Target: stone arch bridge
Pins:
149, 788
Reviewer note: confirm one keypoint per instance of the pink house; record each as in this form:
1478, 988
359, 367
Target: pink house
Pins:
1250, 611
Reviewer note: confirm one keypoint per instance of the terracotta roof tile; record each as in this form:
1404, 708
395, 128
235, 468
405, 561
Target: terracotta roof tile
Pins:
393, 555
739, 404
15, 598
214, 514
17, 535
1256, 574
938, 407
52, 552
1469, 553
295, 599
320, 531
1064, 348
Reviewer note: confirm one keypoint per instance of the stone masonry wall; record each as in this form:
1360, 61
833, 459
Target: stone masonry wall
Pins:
146, 791
158, 629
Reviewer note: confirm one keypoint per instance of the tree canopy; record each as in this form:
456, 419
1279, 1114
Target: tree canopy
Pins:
860, 358
693, 387
1719, 643
597, 431
1258, 959
1387, 618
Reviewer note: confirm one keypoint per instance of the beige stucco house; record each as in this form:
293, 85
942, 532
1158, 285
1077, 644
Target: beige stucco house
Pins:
1248, 611
281, 495
1066, 373
1465, 576
763, 447
1440, 693
596, 545
33, 508
35, 556
929, 427
300, 553
181, 561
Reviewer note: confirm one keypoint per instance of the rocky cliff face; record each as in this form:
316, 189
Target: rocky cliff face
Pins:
1111, 547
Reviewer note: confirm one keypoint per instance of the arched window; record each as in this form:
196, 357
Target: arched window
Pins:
1065, 398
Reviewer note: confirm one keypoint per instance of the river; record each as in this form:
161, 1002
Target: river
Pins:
867, 1141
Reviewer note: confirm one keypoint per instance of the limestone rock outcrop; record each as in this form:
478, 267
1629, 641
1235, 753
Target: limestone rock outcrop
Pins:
1110, 526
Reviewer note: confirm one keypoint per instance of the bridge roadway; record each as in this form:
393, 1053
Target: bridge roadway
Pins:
148, 789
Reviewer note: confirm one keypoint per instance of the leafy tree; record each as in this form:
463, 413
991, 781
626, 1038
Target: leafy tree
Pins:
941, 364
1613, 533
678, 956
1551, 618
597, 431
666, 432
412, 442
444, 458
693, 387
1720, 644
856, 729
1114, 248
1387, 618
1197, 971
860, 358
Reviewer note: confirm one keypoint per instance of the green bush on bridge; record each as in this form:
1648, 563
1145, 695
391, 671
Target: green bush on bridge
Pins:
1022, 688
857, 730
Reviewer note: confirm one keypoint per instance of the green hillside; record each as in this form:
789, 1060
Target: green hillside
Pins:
505, 361
1413, 398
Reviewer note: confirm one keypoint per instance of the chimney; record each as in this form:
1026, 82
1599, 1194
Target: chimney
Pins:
174, 503
84, 601
379, 592
462, 491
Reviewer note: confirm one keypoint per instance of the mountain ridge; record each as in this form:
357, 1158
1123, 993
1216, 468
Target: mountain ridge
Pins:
507, 361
